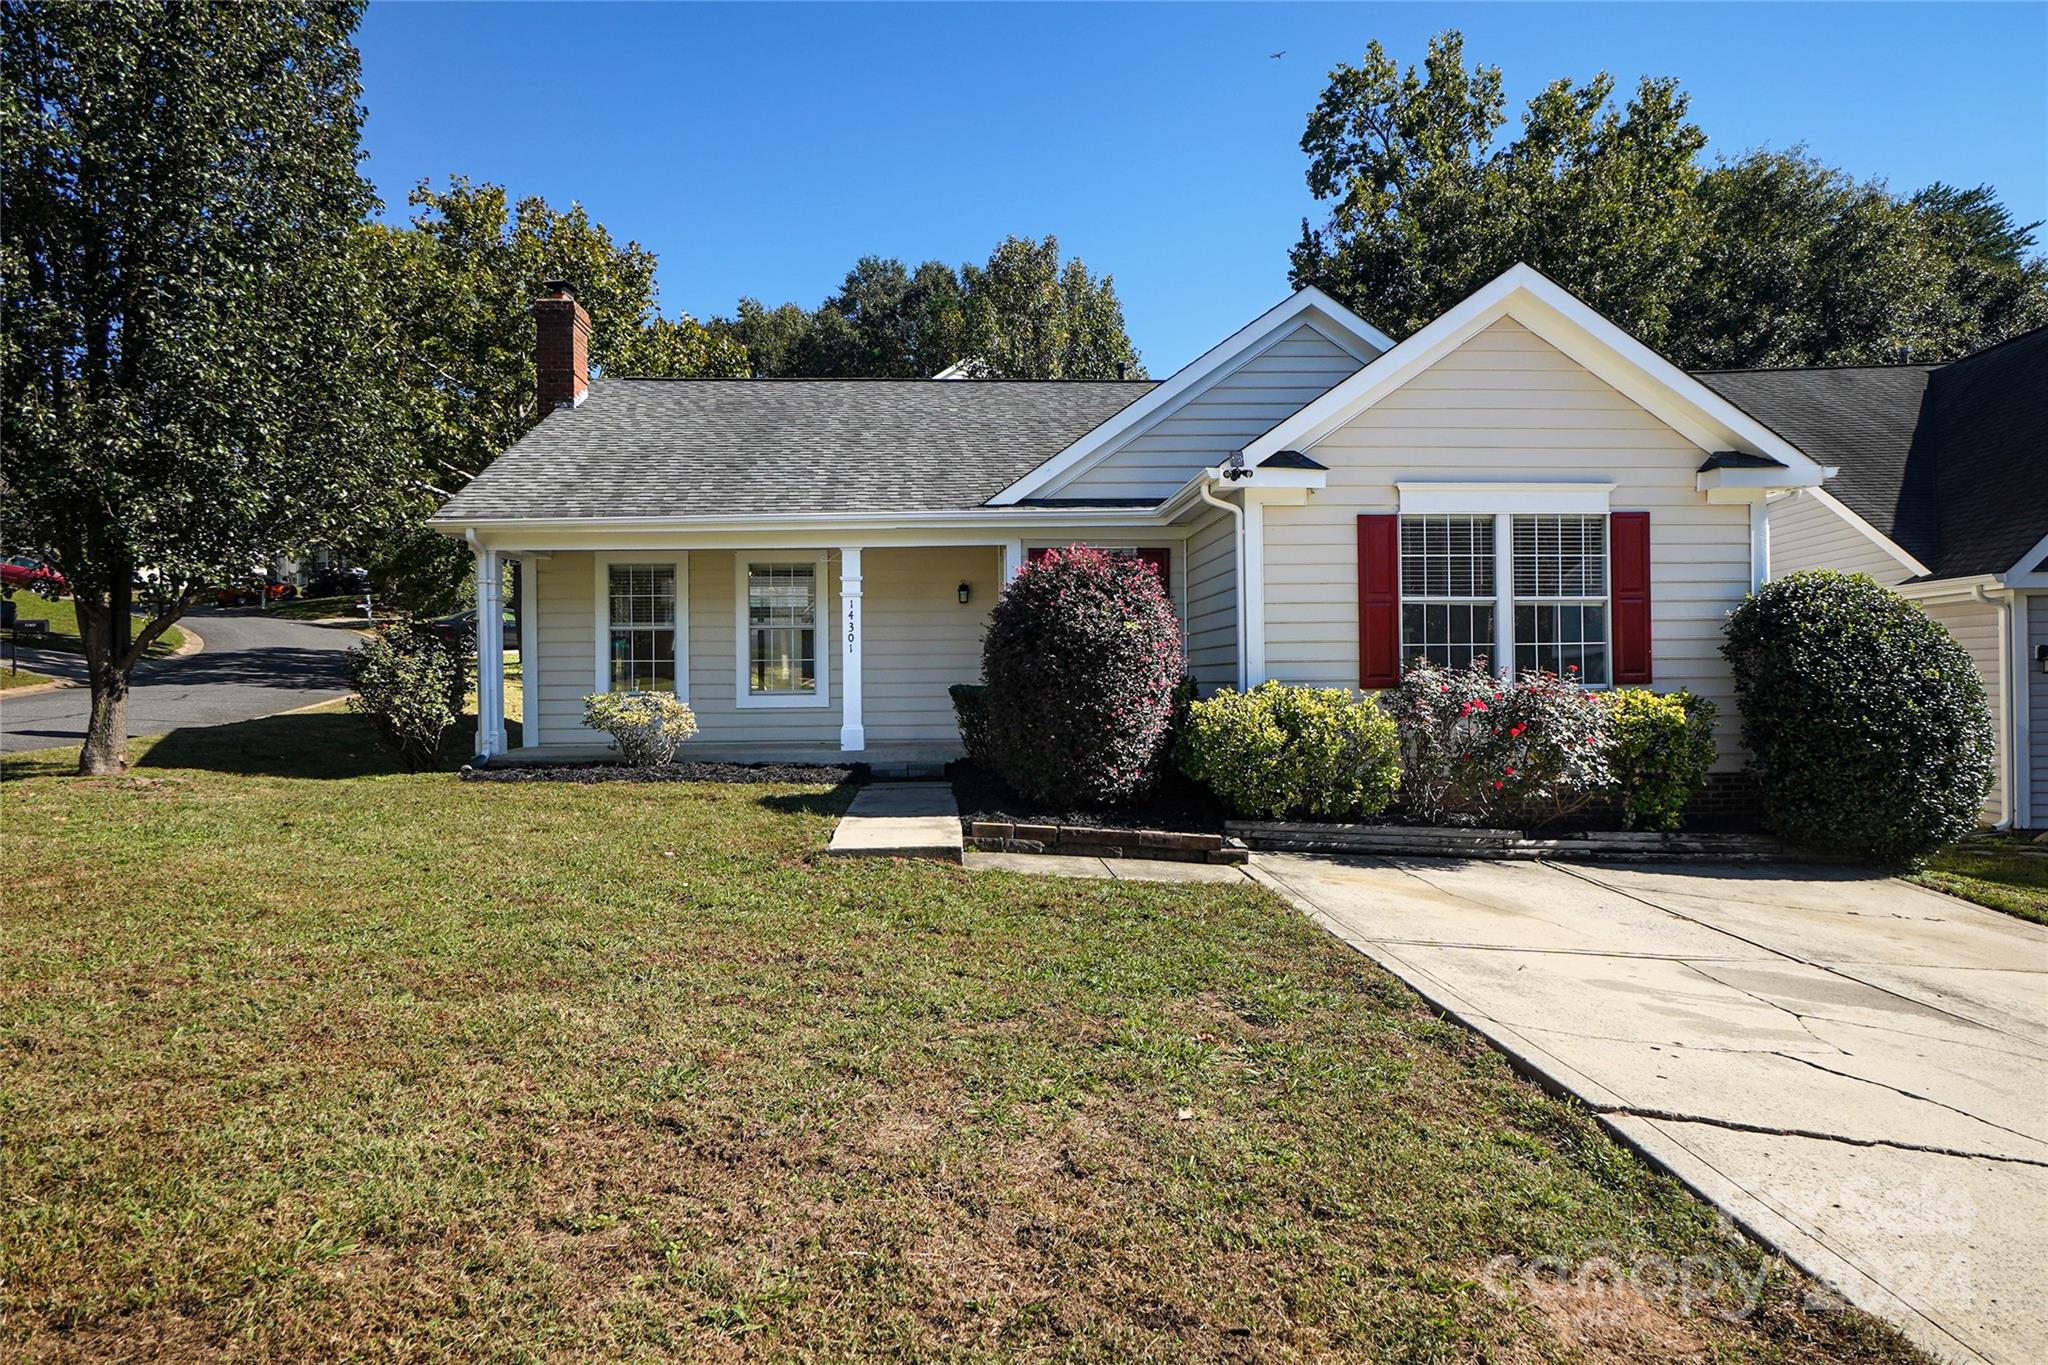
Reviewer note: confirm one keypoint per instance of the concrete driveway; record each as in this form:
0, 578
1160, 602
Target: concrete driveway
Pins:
1853, 1068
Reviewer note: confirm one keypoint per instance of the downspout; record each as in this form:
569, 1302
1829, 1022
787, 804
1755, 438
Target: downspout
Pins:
2008, 761
1243, 610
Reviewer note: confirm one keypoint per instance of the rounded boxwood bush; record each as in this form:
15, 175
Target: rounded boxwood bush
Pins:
1865, 720
1277, 751
1079, 670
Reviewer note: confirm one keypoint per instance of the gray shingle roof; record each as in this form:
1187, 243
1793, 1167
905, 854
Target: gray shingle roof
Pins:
730, 447
1950, 461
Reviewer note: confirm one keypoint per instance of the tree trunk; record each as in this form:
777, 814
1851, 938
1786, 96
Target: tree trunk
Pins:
106, 734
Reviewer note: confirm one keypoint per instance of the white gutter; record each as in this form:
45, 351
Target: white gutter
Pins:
966, 518
1243, 607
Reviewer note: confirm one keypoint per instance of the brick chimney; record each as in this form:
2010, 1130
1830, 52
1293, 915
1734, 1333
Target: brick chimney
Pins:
561, 351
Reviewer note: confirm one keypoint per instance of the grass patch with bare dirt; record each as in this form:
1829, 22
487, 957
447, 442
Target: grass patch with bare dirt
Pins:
307, 1058
2001, 872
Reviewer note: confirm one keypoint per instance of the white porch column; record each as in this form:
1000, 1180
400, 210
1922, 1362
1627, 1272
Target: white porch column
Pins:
1013, 561
852, 733
490, 653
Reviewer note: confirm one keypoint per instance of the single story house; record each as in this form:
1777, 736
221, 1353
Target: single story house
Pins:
1941, 492
809, 563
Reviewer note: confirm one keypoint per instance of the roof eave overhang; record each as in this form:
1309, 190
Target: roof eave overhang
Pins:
811, 523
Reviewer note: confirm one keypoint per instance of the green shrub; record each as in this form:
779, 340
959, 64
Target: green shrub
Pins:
1477, 749
1865, 721
1079, 669
647, 726
408, 685
1278, 751
1659, 748
968, 710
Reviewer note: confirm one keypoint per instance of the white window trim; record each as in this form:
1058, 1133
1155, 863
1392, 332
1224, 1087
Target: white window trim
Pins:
602, 617
1505, 599
742, 641
1433, 497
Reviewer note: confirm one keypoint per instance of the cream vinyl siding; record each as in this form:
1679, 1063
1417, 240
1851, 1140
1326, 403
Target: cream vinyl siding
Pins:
1806, 533
1975, 626
2037, 709
1216, 421
1212, 603
920, 640
1508, 406
565, 656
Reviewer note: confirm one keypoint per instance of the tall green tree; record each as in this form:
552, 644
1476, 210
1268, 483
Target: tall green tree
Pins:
192, 384
1767, 259
456, 287
1024, 314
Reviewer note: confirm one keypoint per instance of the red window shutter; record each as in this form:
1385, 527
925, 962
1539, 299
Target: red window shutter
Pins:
1159, 560
1628, 550
1379, 601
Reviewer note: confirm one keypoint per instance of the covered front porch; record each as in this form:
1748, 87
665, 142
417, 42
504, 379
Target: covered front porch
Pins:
908, 758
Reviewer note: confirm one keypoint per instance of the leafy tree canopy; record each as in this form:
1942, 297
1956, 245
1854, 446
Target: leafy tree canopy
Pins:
1024, 314
1773, 258
192, 381
455, 288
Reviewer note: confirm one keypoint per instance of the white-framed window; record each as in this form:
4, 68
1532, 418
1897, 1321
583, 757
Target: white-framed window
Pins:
1547, 607
642, 624
783, 648
1561, 606
1448, 590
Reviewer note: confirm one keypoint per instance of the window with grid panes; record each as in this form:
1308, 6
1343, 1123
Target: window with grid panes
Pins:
1561, 608
1447, 589
782, 629
643, 627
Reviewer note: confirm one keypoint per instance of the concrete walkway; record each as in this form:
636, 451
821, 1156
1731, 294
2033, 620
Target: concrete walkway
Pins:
1853, 1068
900, 820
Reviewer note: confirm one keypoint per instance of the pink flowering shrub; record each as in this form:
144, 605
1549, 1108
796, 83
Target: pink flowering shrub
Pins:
1080, 669
1477, 749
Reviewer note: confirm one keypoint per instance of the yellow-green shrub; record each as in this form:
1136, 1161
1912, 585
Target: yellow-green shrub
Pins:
1659, 748
1278, 751
647, 726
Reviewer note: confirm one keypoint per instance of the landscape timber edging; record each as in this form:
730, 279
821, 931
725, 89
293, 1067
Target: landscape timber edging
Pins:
1438, 841
1095, 841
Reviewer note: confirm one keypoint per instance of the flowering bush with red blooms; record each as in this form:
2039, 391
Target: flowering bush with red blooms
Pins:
1477, 749
1080, 669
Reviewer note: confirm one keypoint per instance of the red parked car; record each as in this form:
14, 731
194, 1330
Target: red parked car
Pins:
26, 571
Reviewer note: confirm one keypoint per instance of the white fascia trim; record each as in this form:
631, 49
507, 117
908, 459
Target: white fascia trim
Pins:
1351, 333
1949, 587
1675, 397
1562, 497
1867, 531
2023, 573
811, 523
601, 616
820, 697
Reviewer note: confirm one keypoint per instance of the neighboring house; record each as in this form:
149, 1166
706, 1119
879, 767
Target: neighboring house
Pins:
1942, 494
810, 563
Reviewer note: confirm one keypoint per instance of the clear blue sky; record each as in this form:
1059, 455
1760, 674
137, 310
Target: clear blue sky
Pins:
762, 149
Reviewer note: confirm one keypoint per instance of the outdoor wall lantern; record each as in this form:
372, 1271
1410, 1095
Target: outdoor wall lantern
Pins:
2040, 653
965, 592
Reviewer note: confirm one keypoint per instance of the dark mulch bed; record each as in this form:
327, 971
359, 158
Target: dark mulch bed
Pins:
1177, 805
807, 774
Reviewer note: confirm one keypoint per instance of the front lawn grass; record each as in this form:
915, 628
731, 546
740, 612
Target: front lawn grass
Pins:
12, 678
63, 619
308, 1058
1996, 871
